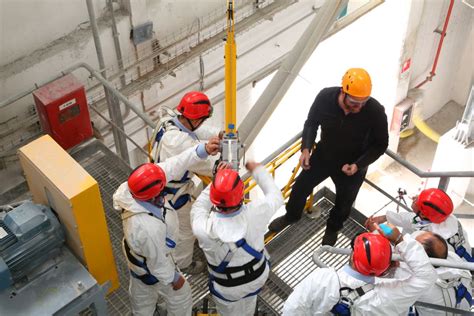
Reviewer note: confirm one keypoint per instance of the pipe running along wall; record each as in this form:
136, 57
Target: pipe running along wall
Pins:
420, 124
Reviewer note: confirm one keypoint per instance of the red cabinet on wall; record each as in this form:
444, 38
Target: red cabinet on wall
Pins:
63, 112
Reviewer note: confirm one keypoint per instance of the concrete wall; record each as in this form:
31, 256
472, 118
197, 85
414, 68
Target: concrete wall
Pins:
380, 41
29, 25
270, 38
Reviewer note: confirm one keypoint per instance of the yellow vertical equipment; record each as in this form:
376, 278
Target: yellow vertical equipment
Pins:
56, 179
230, 72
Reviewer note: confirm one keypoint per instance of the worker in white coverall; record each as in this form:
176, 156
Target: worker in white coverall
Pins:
150, 230
433, 212
173, 135
453, 287
231, 235
353, 289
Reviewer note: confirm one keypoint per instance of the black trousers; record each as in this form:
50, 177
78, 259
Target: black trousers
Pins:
347, 188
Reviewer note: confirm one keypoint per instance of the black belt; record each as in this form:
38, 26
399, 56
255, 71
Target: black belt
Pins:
250, 273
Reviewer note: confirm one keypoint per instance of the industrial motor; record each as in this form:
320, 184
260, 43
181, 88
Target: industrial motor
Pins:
30, 234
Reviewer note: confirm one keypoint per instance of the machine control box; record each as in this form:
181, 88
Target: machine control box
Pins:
63, 112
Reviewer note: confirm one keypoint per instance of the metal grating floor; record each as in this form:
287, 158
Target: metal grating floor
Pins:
291, 250
291, 254
109, 171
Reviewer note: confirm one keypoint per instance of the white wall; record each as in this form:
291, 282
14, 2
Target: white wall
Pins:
377, 50
464, 76
385, 38
27, 25
455, 64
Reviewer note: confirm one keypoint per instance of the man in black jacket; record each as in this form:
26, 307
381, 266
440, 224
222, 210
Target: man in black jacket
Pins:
354, 134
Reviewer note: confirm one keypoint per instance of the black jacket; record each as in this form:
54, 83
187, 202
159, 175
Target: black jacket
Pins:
359, 138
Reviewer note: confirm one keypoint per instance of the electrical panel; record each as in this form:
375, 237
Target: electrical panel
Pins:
63, 112
402, 116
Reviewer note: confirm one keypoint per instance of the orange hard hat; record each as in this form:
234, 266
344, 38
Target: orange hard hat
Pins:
356, 82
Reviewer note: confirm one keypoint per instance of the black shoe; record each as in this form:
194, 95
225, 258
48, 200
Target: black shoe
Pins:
330, 237
278, 224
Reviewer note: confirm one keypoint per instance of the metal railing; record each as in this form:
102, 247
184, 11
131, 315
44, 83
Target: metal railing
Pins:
274, 160
443, 175
396, 257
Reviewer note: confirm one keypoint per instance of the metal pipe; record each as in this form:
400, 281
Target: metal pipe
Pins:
431, 174
275, 91
114, 91
120, 130
113, 106
440, 45
116, 34
395, 257
20, 95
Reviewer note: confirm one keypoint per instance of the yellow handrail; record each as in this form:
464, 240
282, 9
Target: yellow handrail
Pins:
275, 164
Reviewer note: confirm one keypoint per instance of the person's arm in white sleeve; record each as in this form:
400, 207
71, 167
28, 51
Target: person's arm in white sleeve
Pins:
175, 142
204, 132
315, 295
265, 208
200, 213
153, 248
402, 219
423, 276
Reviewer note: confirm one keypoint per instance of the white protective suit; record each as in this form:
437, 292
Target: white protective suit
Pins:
176, 139
450, 229
444, 292
146, 236
319, 292
217, 234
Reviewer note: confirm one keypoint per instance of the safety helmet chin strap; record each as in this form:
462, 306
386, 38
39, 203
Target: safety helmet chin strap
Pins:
193, 128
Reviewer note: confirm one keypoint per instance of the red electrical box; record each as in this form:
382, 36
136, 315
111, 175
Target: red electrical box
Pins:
63, 112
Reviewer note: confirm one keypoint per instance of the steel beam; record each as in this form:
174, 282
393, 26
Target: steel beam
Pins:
286, 74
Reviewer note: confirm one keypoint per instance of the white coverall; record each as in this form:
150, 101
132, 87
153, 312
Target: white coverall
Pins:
443, 293
319, 292
217, 234
146, 235
176, 139
446, 229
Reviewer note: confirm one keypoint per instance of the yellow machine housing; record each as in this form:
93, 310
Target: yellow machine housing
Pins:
56, 179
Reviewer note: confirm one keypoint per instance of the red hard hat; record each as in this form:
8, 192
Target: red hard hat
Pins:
435, 205
146, 181
371, 254
195, 105
227, 189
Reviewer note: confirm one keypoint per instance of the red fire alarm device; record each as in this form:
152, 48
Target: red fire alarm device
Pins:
63, 112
